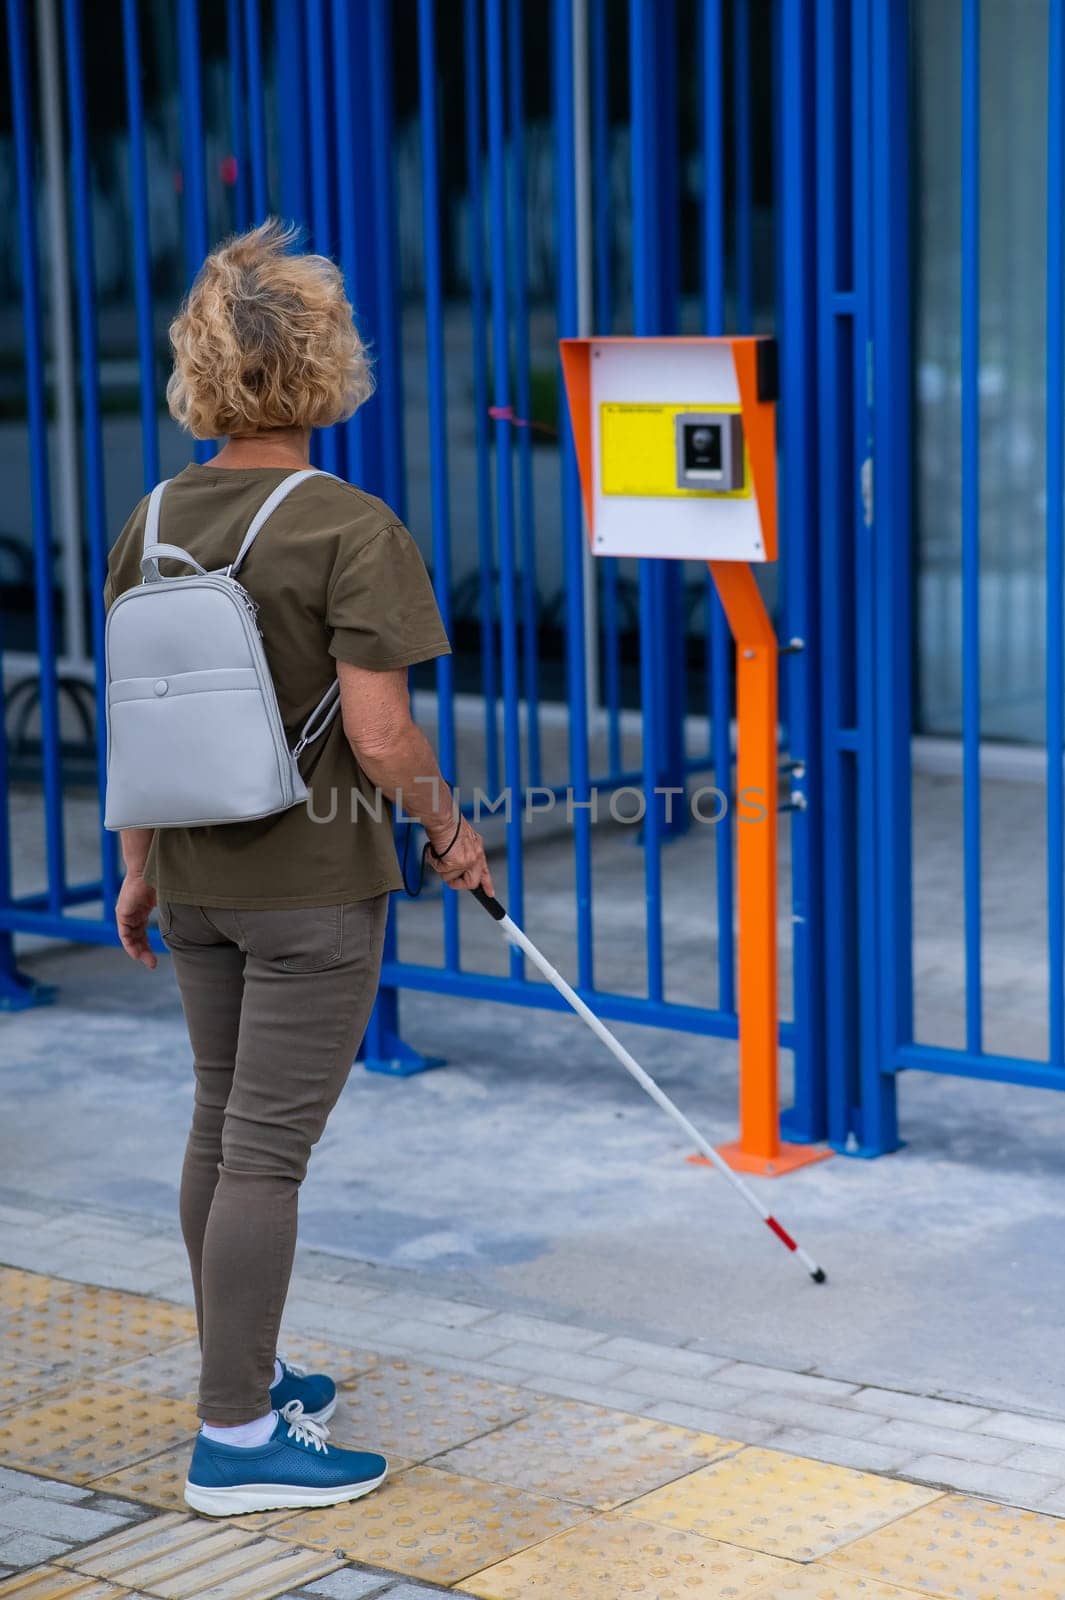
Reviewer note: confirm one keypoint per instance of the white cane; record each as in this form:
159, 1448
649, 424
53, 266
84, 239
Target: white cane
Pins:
514, 935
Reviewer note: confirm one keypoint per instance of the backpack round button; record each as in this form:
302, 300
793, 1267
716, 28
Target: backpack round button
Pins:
162, 686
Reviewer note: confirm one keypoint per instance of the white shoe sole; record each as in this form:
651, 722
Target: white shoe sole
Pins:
271, 1497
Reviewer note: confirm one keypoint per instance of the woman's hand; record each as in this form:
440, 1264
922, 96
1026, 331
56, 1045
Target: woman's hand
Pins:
465, 865
136, 900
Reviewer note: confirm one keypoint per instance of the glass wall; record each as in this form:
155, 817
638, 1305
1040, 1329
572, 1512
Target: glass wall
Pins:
1012, 502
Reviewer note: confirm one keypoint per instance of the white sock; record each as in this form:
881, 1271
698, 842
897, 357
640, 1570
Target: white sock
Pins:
278, 1371
246, 1435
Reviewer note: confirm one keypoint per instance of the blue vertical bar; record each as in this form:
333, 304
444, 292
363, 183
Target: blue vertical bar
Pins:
892, 547
238, 100
647, 301
523, 386
743, 140
1055, 534
602, 241
719, 651
142, 250
37, 416
193, 176
257, 156
562, 89
434, 334
347, 209
292, 114
471, 34
322, 148
91, 421
835, 469
388, 329
504, 462
970, 515
796, 298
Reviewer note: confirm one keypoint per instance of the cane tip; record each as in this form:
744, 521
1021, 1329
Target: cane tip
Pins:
818, 1275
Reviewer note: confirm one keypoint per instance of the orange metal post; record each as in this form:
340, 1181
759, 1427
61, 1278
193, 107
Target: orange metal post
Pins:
758, 1148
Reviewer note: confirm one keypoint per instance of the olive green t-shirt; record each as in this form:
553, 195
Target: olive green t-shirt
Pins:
337, 577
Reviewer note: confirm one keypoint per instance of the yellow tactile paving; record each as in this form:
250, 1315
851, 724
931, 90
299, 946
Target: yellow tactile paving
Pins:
585, 1453
615, 1556
778, 1503
19, 1288
418, 1412
83, 1433
819, 1582
433, 1525
176, 1371
189, 1558
76, 1327
51, 1583
964, 1549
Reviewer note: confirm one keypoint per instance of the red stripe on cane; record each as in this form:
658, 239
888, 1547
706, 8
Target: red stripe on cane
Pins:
781, 1233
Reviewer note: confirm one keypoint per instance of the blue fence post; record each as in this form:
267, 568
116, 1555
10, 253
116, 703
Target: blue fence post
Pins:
383, 1049
16, 990
1055, 532
238, 103
92, 420
142, 251
796, 301
193, 156
257, 152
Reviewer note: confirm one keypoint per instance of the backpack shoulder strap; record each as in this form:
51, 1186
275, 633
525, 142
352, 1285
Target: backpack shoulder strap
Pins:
267, 509
151, 520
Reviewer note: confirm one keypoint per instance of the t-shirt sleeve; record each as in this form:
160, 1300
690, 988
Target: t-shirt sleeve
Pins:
123, 562
380, 607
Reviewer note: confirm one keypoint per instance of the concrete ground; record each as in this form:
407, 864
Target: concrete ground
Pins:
533, 1175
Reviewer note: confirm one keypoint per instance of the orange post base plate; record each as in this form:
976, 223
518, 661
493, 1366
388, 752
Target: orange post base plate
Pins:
788, 1159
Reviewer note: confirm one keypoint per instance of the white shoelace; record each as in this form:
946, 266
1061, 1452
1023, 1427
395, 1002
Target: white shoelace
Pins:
290, 1366
303, 1428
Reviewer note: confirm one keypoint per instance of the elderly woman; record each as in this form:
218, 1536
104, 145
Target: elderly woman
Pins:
276, 926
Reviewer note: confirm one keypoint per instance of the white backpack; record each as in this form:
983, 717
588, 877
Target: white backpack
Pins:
194, 733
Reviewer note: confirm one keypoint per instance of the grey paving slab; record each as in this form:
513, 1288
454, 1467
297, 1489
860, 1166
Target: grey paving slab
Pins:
918, 1408
56, 1518
1054, 1505
642, 1353
964, 1445
424, 1308
512, 1327
349, 1584
25, 1483
726, 1424
1005, 1483
745, 1375
593, 1394
1039, 1458
432, 1336
793, 1411
659, 1385
1029, 1430
582, 1368
28, 1549
858, 1453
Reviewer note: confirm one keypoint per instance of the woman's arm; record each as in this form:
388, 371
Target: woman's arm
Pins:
135, 898
396, 756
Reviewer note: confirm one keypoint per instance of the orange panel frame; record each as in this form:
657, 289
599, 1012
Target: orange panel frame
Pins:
759, 1148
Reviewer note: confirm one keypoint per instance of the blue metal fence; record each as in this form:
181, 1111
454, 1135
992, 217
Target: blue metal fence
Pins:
314, 110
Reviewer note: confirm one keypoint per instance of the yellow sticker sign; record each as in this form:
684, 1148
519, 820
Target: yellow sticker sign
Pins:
638, 451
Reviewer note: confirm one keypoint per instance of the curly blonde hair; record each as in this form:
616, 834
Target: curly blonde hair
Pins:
265, 339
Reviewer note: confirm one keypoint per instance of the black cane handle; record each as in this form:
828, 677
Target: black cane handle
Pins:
491, 904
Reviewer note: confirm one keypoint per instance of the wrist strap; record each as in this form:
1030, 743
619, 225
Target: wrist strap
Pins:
454, 840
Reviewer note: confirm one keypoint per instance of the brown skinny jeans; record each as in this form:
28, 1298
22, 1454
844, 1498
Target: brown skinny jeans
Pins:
276, 1004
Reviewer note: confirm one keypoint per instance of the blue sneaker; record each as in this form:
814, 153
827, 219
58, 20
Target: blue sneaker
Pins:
294, 1468
316, 1393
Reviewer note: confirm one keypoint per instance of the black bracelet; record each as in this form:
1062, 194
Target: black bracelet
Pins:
454, 840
